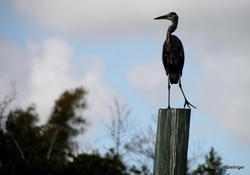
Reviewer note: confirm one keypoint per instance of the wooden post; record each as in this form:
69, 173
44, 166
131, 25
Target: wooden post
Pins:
172, 142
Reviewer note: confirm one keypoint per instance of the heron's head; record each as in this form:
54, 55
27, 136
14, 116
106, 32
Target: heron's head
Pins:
172, 16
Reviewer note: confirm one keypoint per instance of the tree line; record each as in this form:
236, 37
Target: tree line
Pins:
28, 147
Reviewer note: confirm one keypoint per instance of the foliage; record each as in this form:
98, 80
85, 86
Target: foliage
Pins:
22, 144
32, 149
65, 123
212, 165
94, 164
29, 148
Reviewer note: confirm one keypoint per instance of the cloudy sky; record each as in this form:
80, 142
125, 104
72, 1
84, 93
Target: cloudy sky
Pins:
113, 49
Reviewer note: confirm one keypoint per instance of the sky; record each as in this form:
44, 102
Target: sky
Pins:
113, 49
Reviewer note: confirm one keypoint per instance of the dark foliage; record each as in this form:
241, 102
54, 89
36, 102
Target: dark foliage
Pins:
65, 123
94, 164
212, 165
29, 148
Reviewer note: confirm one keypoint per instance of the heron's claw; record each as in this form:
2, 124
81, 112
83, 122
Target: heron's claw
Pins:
188, 104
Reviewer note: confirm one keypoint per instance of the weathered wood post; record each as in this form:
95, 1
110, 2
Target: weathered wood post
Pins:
172, 142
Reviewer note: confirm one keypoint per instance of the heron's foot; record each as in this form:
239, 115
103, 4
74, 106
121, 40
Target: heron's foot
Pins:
188, 104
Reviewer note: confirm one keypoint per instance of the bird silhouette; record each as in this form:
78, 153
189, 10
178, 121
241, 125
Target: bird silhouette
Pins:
173, 56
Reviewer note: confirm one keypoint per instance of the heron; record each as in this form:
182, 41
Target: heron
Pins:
173, 56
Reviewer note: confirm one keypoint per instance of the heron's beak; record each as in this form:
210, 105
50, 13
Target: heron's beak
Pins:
162, 17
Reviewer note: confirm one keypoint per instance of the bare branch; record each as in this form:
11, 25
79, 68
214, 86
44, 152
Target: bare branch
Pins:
142, 147
6, 102
52, 144
120, 126
18, 146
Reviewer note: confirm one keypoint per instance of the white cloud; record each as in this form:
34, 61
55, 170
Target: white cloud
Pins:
221, 89
224, 93
91, 16
46, 69
100, 93
150, 80
112, 18
51, 73
15, 65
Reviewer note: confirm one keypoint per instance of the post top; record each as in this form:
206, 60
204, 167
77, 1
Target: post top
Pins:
174, 109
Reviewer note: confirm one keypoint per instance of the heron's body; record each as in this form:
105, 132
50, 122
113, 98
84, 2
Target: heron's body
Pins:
173, 56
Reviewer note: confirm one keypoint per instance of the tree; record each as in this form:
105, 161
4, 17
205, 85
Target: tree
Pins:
94, 164
29, 148
65, 123
21, 127
4, 104
212, 165
21, 142
120, 126
141, 148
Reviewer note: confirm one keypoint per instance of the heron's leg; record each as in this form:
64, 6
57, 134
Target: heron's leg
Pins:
168, 93
186, 101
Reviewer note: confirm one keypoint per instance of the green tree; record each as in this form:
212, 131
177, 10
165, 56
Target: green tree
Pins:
94, 164
29, 148
21, 142
23, 131
212, 165
65, 123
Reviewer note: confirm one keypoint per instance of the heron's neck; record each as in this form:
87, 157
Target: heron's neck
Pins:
172, 28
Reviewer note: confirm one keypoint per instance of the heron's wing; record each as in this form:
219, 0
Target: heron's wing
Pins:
173, 56
165, 56
178, 52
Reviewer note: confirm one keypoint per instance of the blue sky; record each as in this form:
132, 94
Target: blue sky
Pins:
114, 50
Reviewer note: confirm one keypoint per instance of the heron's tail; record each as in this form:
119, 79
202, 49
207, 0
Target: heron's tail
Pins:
174, 78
